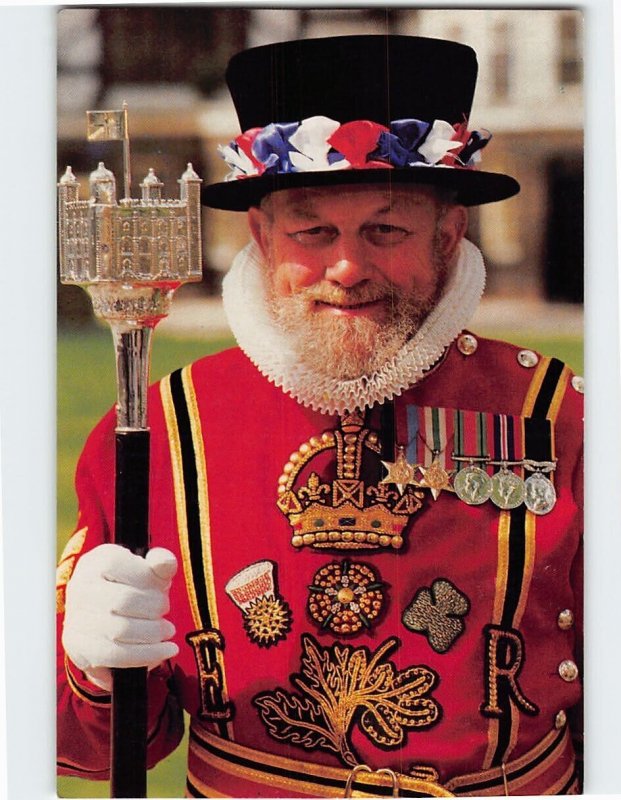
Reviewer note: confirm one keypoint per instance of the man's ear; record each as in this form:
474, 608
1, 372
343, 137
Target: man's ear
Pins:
452, 229
258, 222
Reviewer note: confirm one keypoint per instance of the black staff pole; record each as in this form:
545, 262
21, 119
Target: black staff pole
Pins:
128, 727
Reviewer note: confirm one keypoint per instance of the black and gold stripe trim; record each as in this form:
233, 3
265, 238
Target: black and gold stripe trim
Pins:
250, 769
547, 389
520, 772
189, 470
101, 699
194, 533
541, 409
89, 774
517, 537
290, 775
516, 556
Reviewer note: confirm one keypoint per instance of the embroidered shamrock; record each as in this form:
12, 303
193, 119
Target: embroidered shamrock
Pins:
437, 613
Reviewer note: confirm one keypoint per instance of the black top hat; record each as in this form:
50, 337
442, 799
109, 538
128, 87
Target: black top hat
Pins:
354, 109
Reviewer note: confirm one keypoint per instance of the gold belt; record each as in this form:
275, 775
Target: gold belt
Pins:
547, 768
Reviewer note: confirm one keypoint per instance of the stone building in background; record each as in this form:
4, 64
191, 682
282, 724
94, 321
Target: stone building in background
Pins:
530, 97
167, 64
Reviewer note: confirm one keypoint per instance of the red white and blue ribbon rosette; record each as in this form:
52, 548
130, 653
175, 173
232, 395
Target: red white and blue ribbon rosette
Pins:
321, 144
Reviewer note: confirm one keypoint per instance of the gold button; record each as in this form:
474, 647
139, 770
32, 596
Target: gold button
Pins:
565, 619
467, 344
527, 358
578, 383
568, 671
345, 595
560, 720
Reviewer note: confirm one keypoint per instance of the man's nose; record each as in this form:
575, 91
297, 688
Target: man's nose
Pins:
350, 264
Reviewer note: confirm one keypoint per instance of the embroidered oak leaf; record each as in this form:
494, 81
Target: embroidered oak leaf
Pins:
341, 685
402, 705
437, 613
283, 714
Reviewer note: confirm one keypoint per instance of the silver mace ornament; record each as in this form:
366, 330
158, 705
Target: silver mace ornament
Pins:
130, 257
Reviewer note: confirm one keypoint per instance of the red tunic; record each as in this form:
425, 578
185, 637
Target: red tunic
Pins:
451, 665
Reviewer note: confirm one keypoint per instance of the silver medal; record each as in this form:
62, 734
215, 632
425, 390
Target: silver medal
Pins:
507, 489
540, 494
472, 485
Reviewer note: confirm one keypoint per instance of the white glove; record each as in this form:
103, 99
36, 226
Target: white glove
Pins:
114, 611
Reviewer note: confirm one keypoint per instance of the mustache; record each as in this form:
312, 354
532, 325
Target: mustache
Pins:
342, 295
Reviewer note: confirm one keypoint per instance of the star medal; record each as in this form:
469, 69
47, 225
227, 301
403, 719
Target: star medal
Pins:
472, 485
400, 472
435, 477
540, 494
508, 489
267, 617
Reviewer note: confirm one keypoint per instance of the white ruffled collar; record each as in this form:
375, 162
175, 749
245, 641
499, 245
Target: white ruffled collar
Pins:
270, 350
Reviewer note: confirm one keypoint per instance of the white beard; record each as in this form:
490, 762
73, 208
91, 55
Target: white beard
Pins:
246, 306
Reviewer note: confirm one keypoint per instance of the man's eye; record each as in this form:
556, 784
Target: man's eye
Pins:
383, 234
318, 235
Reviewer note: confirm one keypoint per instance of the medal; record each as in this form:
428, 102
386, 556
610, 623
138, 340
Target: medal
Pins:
400, 472
507, 486
507, 489
540, 494
435, 477
434, 432
472, 485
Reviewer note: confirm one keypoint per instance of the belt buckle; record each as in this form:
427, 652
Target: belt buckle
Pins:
364, 768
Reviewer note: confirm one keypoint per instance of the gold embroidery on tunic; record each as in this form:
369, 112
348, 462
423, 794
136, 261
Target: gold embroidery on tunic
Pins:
345, 596
341, 686
267, 620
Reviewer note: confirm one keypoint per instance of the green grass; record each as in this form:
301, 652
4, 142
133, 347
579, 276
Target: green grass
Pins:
86, 390
167, 779
568, 348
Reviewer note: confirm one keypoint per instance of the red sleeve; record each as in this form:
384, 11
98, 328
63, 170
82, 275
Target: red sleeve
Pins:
83, 710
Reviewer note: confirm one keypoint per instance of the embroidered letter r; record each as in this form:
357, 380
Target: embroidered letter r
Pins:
504, 659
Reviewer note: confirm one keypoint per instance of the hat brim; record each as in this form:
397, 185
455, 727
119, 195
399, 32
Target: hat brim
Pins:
471, 187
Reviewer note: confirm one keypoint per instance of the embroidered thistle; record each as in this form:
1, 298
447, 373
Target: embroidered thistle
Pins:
266, 616
267, 620
340, 686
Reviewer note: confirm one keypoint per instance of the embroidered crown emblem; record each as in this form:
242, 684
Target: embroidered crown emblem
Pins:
346, 513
